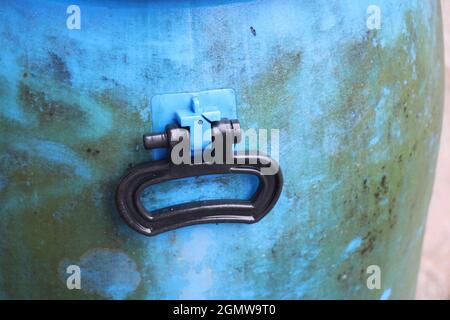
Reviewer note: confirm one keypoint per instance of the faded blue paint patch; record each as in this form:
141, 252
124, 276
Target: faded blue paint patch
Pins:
386, 294
352, 246
57, 153
111, 274
10, 109
210, 187
57, 216
381, 116
199, 278
3, 182
198, 284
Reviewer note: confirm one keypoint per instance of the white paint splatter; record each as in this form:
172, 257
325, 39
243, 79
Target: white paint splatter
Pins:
386, 294
352, 246
109, 273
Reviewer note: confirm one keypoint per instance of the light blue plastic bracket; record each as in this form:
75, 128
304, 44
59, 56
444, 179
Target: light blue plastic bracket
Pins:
195, 111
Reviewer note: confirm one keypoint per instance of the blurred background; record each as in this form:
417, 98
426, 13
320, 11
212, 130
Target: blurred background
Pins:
434, 275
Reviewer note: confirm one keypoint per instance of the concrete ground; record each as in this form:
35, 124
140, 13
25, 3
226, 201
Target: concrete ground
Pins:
434, 276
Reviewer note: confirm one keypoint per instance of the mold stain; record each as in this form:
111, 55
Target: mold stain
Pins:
38, 102
269, 93
59, 67
381, 194
380, 185
47, 199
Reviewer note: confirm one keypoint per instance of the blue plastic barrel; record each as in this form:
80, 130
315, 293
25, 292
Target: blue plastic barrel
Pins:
355, 89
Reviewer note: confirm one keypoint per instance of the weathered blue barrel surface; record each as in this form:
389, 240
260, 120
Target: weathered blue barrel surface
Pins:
359, 112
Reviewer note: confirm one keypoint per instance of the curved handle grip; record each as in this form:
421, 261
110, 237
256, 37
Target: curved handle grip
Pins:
138, 178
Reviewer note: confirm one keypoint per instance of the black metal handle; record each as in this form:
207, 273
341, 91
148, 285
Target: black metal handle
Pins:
138, 178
